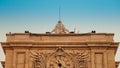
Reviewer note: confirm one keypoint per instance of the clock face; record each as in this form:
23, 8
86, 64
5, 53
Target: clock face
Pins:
60, 61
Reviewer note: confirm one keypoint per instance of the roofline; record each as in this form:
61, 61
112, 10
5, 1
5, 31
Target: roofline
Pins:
69, 34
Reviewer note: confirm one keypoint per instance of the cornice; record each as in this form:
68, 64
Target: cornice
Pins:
64, 44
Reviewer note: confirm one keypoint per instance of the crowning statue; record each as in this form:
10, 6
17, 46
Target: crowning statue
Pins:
60, 29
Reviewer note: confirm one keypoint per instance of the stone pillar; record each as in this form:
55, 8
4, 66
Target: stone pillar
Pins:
9, 58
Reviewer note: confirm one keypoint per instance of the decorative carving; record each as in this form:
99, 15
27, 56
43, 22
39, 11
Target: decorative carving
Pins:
38, 59
81, 59
60, 58
60, 29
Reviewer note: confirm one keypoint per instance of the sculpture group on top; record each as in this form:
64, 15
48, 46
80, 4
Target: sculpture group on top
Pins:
60, 29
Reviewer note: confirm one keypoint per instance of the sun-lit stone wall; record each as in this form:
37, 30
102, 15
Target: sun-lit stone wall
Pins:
86, 37
84, 50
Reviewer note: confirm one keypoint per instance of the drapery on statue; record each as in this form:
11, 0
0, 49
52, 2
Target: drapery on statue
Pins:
60, 29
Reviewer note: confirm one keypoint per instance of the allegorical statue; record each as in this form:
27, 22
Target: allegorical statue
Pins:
60, 29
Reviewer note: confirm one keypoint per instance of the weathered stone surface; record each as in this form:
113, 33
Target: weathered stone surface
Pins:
60, 50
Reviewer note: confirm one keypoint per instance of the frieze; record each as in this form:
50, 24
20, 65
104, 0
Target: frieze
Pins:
59, 58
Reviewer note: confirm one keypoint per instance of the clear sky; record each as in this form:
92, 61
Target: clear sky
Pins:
39, 16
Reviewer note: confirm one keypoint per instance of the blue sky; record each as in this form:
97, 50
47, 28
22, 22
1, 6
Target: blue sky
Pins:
39, 16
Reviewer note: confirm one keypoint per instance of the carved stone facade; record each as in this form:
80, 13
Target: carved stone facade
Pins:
59, 58
60, 50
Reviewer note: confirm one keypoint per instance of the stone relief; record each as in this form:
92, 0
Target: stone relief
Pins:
82, 58
60, 58
38, 59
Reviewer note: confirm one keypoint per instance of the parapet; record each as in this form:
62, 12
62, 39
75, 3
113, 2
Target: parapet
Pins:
71, 37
